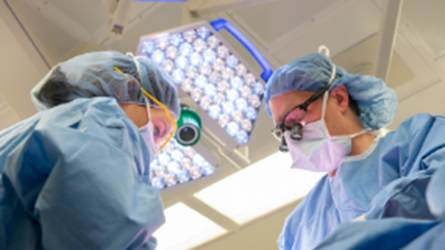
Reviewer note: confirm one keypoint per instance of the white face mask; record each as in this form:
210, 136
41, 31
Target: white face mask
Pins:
147, 132
318, 151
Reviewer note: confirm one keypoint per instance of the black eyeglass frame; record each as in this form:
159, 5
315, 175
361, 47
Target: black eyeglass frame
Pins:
281, 127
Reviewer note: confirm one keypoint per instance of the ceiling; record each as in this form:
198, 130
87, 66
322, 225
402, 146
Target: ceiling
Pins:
41, 33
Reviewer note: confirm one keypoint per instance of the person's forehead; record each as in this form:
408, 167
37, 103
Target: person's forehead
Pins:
280, 105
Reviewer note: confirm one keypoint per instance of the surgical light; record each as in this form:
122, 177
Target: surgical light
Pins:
177, 164
206, 68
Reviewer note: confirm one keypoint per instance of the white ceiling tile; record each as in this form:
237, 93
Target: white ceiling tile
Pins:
272, 21
337, 32
90, 14
52, 41
428, 18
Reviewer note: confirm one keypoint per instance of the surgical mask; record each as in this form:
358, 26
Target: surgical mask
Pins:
318, 151
147, 132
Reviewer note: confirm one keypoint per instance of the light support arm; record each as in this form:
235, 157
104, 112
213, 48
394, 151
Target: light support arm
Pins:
387, 37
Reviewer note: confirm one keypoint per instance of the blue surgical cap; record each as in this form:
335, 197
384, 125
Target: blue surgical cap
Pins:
93, 74
376, 102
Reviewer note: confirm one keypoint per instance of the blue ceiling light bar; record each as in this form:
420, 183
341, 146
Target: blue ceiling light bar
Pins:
223, 24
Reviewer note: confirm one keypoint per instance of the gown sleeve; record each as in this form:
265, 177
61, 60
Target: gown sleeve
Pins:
409, 211
406, 196
81, 184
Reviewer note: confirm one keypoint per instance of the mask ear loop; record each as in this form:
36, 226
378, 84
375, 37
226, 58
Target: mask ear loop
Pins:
160, 105
325, 96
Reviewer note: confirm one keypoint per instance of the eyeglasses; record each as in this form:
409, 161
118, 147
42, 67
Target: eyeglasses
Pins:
175, 126
296, 129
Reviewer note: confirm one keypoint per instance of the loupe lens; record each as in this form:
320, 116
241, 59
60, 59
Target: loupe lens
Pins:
297, 132
277, 134
283, 145
187, 134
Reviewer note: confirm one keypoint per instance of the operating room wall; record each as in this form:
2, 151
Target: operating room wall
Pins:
19, 71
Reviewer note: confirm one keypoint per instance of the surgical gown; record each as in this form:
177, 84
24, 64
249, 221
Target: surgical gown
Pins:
388, 180
72, 178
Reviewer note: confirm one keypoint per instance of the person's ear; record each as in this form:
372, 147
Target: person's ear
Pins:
341, 97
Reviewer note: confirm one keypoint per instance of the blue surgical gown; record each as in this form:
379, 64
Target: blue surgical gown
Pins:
71, 177
388, 180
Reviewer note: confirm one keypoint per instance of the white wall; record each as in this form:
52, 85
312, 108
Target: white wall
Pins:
20, 70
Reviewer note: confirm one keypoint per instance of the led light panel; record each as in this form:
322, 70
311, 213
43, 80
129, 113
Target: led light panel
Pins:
203, 65
258, 189
185, 228
178, 164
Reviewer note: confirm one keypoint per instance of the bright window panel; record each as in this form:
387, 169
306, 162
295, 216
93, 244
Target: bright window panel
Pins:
259, 188
185, 228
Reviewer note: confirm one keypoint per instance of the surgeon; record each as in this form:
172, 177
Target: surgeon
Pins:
75, 175
329, 121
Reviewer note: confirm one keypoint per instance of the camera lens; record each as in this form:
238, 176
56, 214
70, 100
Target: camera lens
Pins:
187, 134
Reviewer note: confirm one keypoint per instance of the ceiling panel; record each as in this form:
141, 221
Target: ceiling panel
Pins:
336, 31
360, 58
90, 14
428, 18
164, 17
52, 41
273, 21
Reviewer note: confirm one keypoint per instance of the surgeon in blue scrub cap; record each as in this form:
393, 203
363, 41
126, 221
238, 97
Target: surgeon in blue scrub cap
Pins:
75, 175
329, 121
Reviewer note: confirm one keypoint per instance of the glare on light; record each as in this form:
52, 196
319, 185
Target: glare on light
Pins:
227, 74
158, 56
205, 69
178, 76
232, 128
223, 120
195, 59
258, 189
177, 232
209, 90
214, 111
242, 137
189, 36
191, 72
174, 164
246, 125
240, 70
203, 32
185, 49
231, 61
249, 79
201, 81
175, 40
251, 113
199, 45
223, 51
187, 85
219, 99
196, 94
181, 62
213, 42
209, 55
232, 95
171, 52
149, 47
218, 64
205, 102
228, 108
223, 86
